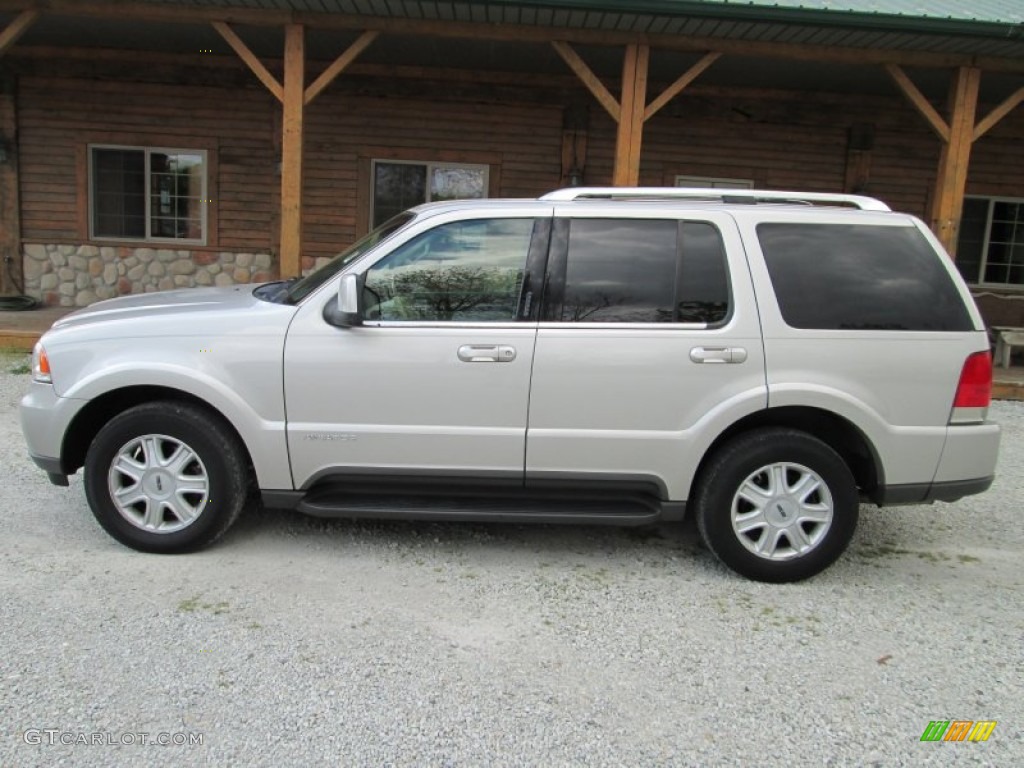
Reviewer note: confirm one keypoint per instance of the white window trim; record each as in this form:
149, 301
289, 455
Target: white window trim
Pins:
979, 280
712, 182
149, 238
430, 166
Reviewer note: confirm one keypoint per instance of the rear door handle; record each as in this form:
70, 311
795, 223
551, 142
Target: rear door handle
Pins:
487, 353
718, 354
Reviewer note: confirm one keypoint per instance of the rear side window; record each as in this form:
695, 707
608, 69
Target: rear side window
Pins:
852, 277
643, 271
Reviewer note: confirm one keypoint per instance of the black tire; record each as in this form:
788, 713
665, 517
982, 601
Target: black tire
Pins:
799, 543
180, 508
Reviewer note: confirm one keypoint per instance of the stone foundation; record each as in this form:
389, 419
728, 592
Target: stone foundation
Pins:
78, 275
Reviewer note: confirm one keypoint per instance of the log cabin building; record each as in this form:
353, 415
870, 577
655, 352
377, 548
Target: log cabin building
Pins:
153, 144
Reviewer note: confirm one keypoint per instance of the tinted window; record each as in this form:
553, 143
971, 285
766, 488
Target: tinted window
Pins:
703, 280
639, 271
852, 277
462, 271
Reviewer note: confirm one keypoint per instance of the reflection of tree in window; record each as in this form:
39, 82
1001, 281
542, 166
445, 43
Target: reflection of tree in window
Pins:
470, 271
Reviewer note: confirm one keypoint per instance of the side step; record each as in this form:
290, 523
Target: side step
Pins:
508, 507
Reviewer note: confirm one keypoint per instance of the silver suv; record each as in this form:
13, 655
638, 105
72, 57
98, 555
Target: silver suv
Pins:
764, 360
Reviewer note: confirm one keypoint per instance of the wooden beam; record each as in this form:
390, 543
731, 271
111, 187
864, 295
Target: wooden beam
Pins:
10, 34
586, 74
997, 114
631, 127
250, 58
10, 214
291, 150
951, 183
918, 100
340, 65
677, 87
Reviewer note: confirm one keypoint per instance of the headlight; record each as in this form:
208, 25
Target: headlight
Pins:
40, 365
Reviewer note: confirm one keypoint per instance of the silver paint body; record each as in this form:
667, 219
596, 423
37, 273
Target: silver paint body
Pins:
512, 400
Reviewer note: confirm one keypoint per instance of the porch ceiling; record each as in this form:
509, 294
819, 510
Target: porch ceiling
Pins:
530, 58
978, 28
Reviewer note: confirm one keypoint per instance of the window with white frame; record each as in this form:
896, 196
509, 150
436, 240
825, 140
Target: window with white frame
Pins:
400, 184
711, 182
990, 250
147, 193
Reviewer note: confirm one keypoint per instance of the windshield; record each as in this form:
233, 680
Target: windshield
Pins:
302, 288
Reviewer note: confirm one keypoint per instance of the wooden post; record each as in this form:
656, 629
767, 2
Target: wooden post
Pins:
10, 216
291, 151
951, 183
631, 121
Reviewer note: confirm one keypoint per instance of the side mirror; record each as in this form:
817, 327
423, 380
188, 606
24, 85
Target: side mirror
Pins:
345, 312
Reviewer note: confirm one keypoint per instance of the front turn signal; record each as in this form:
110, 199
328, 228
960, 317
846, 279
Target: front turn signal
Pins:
40, 365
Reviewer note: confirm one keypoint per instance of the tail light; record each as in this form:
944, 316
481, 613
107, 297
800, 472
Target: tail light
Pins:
974, 392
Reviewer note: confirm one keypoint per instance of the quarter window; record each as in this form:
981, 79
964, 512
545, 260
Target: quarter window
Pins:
398, 186
643, 271
990, 250
468, 271
856, 277
147, 194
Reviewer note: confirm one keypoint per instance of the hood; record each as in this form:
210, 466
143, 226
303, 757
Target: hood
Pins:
166, 304
229, 311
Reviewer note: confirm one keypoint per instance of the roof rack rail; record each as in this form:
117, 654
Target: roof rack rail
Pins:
733, 196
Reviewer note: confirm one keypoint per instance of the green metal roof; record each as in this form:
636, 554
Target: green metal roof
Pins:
1009, 12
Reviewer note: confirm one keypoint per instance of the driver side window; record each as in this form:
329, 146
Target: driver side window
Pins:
463, 271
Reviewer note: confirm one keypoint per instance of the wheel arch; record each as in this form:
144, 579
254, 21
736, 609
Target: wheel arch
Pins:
100, 410
839, 433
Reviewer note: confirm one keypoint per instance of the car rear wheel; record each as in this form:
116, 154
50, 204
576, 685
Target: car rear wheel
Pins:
777, 505
166, 477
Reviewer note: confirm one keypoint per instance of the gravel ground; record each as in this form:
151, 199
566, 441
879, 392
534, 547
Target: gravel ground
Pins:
303, 642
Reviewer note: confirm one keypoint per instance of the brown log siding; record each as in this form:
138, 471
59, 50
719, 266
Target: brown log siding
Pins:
777, 139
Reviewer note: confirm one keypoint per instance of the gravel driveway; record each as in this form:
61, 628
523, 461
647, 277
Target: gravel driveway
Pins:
303, 642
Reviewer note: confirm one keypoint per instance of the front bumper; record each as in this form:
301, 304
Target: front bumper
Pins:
45, 418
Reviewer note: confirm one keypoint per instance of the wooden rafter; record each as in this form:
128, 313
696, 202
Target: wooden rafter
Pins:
250, 58
679, 85
918, 99
10, 34
340, 65
586, 74
989, 121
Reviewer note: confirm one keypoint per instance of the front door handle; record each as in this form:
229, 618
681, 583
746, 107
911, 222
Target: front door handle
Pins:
718, 354
487, 353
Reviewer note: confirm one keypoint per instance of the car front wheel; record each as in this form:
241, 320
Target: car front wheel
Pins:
166, 477
777, 505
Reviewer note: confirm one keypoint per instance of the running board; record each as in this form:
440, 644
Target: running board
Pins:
507, 508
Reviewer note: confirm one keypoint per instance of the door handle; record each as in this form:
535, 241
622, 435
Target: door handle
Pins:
487, 353
718, 354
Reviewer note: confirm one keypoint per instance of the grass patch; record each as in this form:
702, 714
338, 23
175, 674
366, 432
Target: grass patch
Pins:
195, 604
